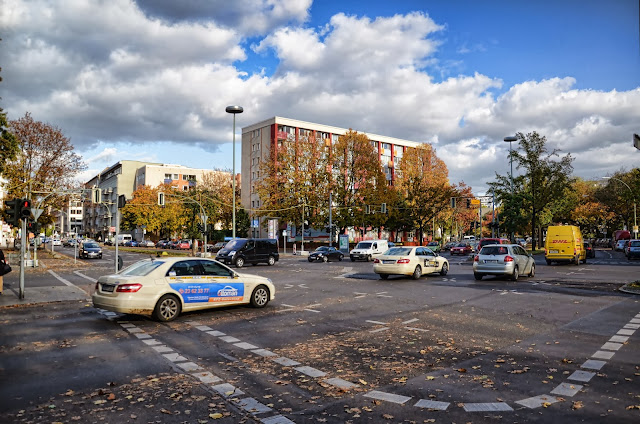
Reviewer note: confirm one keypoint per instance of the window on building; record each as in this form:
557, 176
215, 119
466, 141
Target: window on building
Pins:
167, 177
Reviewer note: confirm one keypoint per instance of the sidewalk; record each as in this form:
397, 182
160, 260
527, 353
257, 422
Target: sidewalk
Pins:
32, 295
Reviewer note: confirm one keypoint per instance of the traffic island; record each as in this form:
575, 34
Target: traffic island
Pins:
632, 288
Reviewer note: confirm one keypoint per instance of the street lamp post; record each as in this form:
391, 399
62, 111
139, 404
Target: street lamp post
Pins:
635, 219
509, 140
234, 110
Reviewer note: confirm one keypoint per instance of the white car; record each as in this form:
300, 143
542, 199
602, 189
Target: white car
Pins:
409, 260
165, 287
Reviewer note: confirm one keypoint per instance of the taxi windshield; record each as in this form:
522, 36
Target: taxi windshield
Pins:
142, 268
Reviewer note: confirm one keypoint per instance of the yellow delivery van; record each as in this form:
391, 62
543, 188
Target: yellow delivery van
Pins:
564, 244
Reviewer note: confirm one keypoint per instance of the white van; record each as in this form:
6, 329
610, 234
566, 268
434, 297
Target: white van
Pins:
368, 249
469, 238
123, 238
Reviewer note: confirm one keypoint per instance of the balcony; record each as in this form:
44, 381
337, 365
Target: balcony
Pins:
282, 135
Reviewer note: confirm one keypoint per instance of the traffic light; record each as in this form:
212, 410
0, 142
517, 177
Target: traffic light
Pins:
122, 201
453, 203
96, 195
468, 203
368, 209
200, 227
13, 215
161, 199
383, 208
25, 208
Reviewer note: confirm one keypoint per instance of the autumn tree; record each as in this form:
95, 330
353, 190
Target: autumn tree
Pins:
295, 176
357, 180
462, 216
45, 163
143, 209
619, 194
423, 181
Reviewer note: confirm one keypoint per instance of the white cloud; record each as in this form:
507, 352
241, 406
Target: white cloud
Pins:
113, 72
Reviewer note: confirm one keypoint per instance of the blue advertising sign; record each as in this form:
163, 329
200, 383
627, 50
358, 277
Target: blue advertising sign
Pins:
209, 292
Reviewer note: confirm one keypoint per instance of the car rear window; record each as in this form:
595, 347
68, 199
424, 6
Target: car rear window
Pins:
398, 251
494, 250
634, 244
142, 268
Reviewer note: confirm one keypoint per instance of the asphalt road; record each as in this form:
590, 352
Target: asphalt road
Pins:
338, 345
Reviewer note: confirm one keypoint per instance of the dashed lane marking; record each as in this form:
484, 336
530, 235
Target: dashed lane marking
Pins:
310, 371
409, 321
537, 401
416, 329
377, 322
601, 354
388, 397
566, 389
432, 404
592, 364
487, 407
290, 286
377, 330
582, 376
182, 363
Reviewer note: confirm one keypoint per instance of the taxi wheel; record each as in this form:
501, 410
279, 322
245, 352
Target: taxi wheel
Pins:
271, 261
340, 258
167, 309
325, 259
445, 269
532, 273
260, 297
239, 262
417, 273
310, 259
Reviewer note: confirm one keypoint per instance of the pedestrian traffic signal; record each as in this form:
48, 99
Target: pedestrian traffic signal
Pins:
25, 208
13, 214
200, 227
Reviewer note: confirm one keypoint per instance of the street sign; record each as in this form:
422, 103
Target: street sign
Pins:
36, 213
475, 202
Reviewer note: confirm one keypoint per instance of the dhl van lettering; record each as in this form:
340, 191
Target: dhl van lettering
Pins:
559, 241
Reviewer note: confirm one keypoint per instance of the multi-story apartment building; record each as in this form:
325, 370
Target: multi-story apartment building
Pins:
69, 221
124, 178
258, 139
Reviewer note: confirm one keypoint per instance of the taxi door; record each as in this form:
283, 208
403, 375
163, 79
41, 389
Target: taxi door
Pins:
185, 277
223, 287
427, 260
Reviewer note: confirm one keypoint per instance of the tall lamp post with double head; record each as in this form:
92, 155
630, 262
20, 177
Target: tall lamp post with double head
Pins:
511, 139
635, 219
234, 110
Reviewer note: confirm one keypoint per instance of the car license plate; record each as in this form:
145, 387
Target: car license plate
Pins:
389, 261
553, 251
108, 288
490, 261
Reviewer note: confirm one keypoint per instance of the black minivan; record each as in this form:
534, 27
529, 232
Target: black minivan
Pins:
249, 251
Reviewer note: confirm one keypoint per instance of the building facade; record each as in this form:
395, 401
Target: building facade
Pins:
122, 179
260, 138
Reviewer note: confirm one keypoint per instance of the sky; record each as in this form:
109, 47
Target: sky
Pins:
149, 80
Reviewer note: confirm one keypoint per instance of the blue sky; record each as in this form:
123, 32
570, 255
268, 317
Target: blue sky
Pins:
151, 80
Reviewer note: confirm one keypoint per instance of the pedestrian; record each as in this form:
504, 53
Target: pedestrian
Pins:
2, 262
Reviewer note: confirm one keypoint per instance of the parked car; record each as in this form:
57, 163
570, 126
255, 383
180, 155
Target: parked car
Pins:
503, 259
325, 254
158, 288
108, 242
414, 261
184, 244
131, 243
633, 249
487, 241
172, 244
241, 251
434, 246
147, 243
447, 246
591, 253
70, 242
461, 249
216, 247
620, 245
90, 249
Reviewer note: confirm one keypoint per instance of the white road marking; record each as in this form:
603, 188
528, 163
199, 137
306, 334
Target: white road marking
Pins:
377, 330
566, 389
93, 280
409, 321
537, 401
377, 322
432, 404
65, 281
487, 407
389, 397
